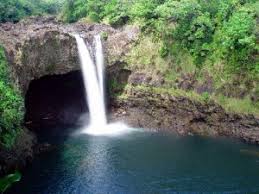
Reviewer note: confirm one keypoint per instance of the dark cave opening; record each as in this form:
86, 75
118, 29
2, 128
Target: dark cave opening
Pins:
55, 100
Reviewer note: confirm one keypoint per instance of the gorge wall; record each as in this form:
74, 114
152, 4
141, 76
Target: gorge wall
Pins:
43, 46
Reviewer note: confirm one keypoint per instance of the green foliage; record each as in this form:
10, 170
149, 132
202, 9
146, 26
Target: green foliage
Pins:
143, 9
162, 91
7, 181
206, 96
104, 35
14, 10
11, 106
113, 12
71, 12
194, 27
118, 17
237, 105
77, 9
96, 9
164, 51
11, 10
225, 30
237, 40
115, 88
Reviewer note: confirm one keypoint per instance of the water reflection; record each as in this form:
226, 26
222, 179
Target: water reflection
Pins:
93, 168
144, 163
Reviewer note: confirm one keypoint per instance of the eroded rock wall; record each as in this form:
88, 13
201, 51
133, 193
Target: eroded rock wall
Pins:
43, 46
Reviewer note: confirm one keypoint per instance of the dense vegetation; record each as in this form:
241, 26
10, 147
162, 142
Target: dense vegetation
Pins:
11, 106
218, 31
14, 10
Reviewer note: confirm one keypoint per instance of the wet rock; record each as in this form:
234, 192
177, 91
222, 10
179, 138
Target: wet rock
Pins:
18, 156
43, 148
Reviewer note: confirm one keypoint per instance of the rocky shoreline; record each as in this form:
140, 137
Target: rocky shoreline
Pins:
165, 112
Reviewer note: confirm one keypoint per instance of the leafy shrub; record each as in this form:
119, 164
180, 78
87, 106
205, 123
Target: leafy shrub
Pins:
73, 10
96, 9
194, 28
164, 51
7, 181
118, 17
223, 29
14, 10
11, 10
237, 39
11, 106
206, 96
143, 9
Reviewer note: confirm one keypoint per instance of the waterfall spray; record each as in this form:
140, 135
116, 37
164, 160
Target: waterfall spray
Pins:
92, 84
93, 76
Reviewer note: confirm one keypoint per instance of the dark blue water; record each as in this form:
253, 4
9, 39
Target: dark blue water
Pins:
143, 162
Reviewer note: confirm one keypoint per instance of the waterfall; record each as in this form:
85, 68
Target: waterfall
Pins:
100, 63
93, 81
93, 76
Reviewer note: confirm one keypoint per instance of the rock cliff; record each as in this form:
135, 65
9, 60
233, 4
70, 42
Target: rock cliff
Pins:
44, 46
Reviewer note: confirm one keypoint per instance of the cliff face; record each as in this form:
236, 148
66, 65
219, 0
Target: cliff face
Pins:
44, 46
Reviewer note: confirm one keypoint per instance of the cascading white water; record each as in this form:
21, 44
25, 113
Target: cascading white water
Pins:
92, 84
93, 75
100, 63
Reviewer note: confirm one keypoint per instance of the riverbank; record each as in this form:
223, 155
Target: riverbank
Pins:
145, 107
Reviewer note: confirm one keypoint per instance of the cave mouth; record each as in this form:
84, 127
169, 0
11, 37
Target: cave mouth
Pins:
55, 100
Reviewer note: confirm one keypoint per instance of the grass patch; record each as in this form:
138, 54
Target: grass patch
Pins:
145, 56
162, 91
231, 105
234, 105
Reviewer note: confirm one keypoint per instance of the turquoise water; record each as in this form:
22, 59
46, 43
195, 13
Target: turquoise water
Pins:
143, 162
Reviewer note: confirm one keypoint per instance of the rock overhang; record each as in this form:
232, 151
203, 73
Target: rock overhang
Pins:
42, 46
